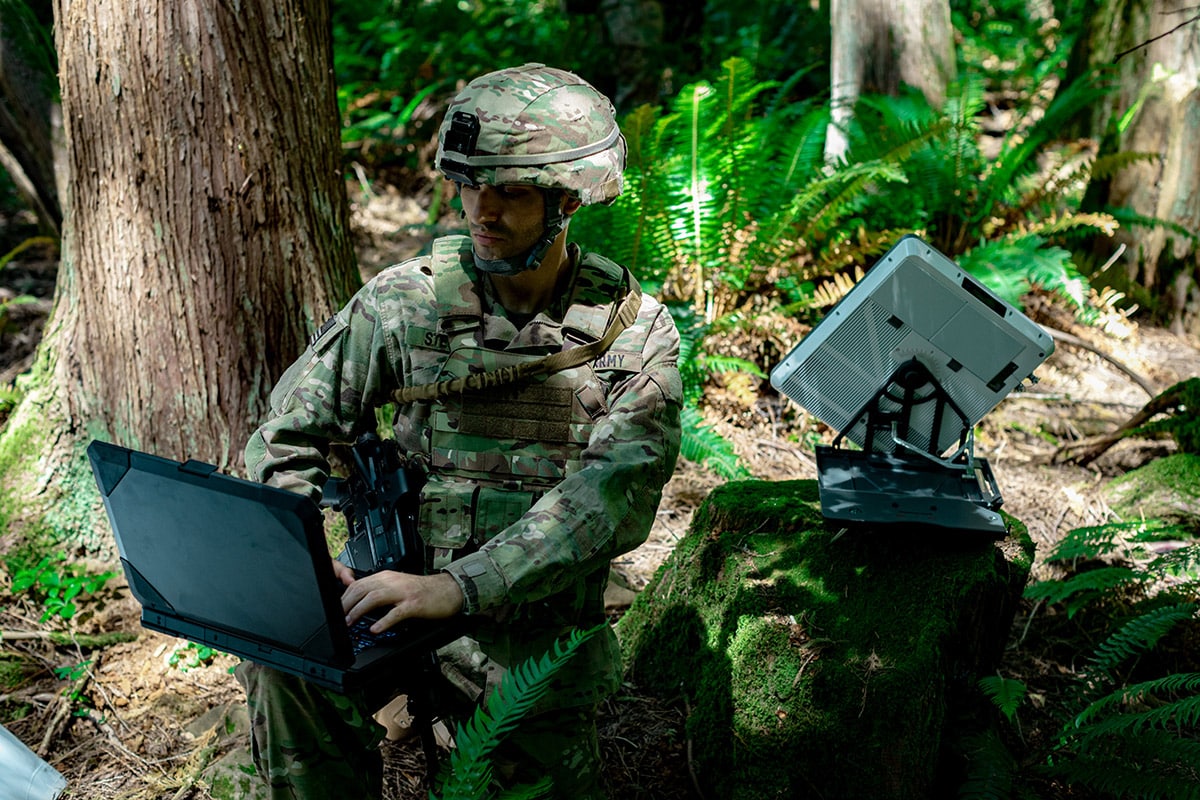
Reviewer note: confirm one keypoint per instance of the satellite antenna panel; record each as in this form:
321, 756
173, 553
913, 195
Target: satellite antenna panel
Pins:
904, 366
915, 303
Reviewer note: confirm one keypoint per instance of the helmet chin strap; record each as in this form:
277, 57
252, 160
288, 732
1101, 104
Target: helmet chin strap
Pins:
556, 221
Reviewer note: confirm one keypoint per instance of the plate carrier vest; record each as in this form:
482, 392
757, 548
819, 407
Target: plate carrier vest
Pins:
494, 453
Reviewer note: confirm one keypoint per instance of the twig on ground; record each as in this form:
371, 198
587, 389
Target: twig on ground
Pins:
66, 637
1075, 341
28, 696
1085, 451
203, 758
62, 712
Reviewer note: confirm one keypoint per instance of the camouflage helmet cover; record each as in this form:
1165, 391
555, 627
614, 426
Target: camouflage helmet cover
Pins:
534, 125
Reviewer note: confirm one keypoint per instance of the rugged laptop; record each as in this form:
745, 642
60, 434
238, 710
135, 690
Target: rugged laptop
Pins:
243, 568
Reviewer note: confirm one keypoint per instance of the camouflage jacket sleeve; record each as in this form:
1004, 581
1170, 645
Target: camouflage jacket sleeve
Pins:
605, 508
328, 395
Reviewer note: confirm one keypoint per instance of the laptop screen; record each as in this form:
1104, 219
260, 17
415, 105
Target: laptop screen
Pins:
220, 551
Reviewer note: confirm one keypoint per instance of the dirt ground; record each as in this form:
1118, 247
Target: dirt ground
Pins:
148, 718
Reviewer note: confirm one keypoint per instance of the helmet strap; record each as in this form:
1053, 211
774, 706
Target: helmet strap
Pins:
556, 222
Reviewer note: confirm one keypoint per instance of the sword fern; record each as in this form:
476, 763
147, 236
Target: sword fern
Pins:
1129, 738
470, 768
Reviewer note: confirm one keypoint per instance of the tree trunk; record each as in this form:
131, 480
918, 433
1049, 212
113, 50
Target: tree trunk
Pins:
205, 235
880, 45
30, 119
1156, 109
208, 229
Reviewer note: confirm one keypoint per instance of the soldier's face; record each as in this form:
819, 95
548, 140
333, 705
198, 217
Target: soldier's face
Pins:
505, 221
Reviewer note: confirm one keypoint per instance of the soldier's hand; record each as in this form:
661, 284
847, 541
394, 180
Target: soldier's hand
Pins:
424, 596
343, 573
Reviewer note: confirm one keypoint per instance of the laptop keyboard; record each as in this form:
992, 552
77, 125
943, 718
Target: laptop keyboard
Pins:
361, 636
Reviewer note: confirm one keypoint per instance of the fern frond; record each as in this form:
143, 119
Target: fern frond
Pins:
1069, 222
1128, 218
1150, 766
834, 289
1107, 715
793, 151
1113, 538
1139, 635
855, 248
990, 769
1005, 693
1017, 154
640, 128
1180, 563
1106, 166
1080, 589
519, 690
819, 201
717, 364
1009, 266
702, 445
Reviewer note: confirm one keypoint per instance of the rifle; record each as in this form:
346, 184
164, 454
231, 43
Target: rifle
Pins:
379, 500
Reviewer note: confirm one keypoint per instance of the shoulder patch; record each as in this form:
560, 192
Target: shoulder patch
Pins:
329, 330
325, 328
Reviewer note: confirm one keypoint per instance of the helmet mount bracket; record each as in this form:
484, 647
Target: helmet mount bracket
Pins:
460, 139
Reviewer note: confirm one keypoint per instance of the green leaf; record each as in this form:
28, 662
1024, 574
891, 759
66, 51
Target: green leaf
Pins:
23, 580
1005, 693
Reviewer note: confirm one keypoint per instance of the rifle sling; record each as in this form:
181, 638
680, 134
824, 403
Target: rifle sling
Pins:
555, 362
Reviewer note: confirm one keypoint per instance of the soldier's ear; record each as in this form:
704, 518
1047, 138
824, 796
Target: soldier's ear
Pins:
570, 205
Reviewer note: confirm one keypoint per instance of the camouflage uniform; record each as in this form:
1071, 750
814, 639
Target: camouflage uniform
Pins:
532, 489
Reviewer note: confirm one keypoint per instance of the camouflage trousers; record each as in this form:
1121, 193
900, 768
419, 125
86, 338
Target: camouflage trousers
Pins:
311, 743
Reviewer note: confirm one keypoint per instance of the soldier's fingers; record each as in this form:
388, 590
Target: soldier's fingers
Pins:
354, 593
388, 620
369, 602
343, 573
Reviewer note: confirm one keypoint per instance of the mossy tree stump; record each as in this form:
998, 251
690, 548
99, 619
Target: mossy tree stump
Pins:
818, 665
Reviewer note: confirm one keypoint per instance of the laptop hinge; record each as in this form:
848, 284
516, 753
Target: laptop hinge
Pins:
193, 467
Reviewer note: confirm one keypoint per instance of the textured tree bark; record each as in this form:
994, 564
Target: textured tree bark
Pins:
1156, 109
206, 227
878, 46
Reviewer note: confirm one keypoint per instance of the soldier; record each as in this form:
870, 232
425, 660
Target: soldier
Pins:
534, 484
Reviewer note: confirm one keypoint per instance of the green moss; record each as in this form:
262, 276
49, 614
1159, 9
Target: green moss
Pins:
1178, 473
233, 776
787, 640
1181, 422
21, 437
48, 498
1166, 488
233, 787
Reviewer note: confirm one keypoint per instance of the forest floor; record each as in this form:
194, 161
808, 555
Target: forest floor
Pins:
147, 717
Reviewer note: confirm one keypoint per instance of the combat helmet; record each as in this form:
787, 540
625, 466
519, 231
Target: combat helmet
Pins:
537, 126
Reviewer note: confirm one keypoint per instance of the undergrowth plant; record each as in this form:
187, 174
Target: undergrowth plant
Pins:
468, 773
55, 585
1133, 723
1179, 419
